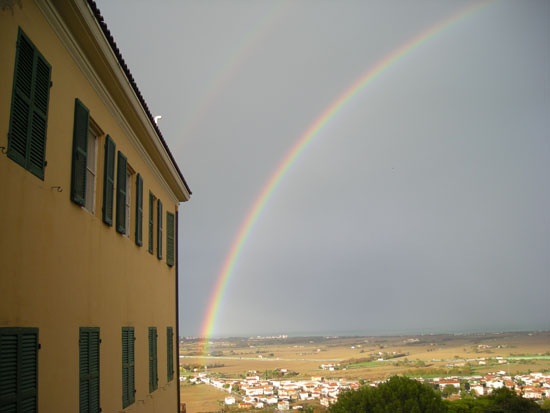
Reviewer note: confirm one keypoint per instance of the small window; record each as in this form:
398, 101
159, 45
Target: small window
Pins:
29, 107
139, 210
91, 167
170, 239
129, 173
88, 343
18, 369
128, 369
108, 180
170, 353
159, 229
153, 366
151, 222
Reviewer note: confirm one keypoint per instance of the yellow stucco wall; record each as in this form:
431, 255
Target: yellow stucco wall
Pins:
61, 267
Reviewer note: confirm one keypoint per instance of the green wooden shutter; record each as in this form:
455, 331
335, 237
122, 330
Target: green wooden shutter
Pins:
89, 370
108, 180
94, 370
128, 385
18, 369
139, 210
170, 353
80, 152
159, 229
153, 372
121, 193
29, 108
170, 238
131, 366
151, 214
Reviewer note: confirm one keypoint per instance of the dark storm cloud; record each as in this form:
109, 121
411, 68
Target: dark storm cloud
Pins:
422, 206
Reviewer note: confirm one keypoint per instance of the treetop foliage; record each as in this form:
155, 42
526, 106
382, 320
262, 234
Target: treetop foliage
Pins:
404, 395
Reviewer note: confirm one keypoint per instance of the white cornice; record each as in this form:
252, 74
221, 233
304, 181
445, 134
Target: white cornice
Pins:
70, 43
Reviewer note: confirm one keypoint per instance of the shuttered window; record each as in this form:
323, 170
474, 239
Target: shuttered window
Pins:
18, 369
29, 107
108, 181
128, 379
151, 215
121, 193
88, 344
170, 353
170, 238
153, 366
80, 152
159, 229
139, 210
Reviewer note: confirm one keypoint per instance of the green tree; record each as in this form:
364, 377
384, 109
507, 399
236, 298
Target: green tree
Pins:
500, 401
398, 394
448, 390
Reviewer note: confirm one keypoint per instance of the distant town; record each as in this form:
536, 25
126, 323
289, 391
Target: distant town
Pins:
253, 392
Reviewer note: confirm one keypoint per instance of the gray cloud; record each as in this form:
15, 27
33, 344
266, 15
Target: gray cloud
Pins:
422, 205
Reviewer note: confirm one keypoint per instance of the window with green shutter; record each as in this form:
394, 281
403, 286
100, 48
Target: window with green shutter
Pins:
29, 107
170, 238
170, 353
108, 180
18, 369
88, 344
139, 210
128, 379
151, 220
121, 193
159, 229
153, 366
80, 152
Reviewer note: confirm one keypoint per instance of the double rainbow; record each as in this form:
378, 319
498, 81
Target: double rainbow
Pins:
300, 145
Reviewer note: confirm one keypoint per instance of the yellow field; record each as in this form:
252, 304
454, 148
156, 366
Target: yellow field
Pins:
201, 398
305, 355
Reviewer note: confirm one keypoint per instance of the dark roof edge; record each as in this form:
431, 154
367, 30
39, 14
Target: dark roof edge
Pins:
130, 78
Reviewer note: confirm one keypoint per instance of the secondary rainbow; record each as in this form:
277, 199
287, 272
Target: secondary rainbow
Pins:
303, 141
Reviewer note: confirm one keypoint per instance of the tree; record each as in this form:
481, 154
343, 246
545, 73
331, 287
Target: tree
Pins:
398, 394
500, 401
448, 390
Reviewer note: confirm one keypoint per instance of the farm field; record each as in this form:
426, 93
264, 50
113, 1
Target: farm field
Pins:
359, 356
201, 398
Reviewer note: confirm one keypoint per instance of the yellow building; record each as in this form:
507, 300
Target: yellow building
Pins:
88, 222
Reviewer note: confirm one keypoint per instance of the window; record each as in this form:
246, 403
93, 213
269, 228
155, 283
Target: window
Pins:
128, 379
80, 153
108, 180
91, 166
29, 107
88, 344
159, 229
151, 220
18, 369
153, 372
121, 189
170, 353
170, 239
139, 210
129, 174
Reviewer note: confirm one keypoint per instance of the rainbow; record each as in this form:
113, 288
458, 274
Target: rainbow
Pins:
300, 145
261, 29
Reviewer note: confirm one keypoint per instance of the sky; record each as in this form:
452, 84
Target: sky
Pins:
422, 206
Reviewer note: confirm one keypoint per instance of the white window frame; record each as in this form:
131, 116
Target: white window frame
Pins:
128, 203
94, 132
